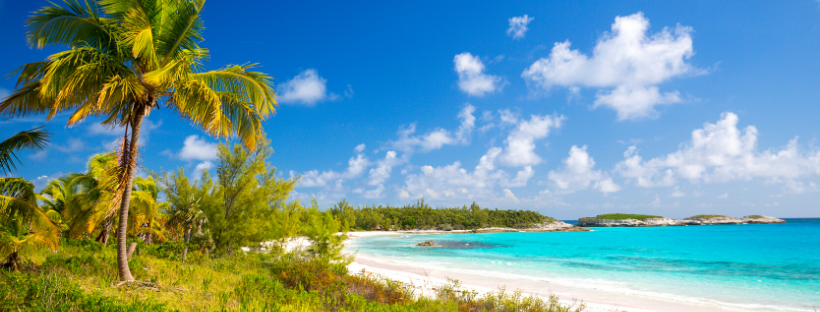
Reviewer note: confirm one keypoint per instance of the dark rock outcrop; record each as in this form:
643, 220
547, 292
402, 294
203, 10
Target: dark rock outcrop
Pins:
426, 244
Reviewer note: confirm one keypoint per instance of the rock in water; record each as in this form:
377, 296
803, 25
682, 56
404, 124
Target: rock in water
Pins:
762, 219
426, 244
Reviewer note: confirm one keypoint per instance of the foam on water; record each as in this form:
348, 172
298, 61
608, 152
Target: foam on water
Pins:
738, 267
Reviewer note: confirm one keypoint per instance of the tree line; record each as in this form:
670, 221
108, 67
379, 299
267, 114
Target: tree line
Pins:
422, 216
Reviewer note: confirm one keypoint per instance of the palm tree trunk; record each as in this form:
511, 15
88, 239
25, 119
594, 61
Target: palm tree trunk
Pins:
105, 234
187, 239
122, 254
12, 262
149, 237
131, 247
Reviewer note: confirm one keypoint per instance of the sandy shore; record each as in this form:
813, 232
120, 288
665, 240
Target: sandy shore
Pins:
426, 277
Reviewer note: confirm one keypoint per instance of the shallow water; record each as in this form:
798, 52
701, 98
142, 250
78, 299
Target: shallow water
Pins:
748, 267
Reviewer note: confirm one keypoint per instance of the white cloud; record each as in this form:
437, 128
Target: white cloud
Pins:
509, 195
520, 149
471, 77
40, 155
628, 60
306, 88
359, 148
196, 148
579, 174
314, 178
454, 182
73, 145
518, 26
41, 181
724, 196
721, 152
436, 139
205, 165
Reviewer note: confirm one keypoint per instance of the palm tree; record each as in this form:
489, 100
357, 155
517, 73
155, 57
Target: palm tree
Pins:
146, 211
127, 58
87, 198
23, 225
29, 139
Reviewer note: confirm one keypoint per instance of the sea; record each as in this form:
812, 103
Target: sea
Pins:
751, 267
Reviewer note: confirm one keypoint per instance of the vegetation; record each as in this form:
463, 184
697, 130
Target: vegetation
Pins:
124, 59
211, 243
755, 217
707, 216
79, 278
422, 216
623, 216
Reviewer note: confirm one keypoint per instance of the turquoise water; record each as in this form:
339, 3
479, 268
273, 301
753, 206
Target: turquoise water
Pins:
749, 267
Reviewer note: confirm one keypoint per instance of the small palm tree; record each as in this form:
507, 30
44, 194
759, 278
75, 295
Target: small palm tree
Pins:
147, 211
23, 225
127, 58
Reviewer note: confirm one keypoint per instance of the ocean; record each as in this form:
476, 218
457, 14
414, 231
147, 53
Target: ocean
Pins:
752, 267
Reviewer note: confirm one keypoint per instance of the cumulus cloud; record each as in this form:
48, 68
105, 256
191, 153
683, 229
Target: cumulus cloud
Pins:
453, 182
520, 149
196, 148
579, 174
626, 66
721, 152
205, 165
518, 26
471, 77
307, 88
509, 195
356, 165
408, 141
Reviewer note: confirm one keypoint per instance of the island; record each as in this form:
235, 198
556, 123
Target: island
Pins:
640, 220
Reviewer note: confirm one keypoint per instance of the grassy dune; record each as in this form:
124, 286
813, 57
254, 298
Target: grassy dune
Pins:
82, 277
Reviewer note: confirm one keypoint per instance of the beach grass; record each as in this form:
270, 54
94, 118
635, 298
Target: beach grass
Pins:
82, 277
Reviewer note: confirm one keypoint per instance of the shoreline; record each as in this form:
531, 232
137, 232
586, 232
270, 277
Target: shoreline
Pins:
596, 297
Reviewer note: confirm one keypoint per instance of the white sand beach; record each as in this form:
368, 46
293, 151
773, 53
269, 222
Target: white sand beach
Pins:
426, 278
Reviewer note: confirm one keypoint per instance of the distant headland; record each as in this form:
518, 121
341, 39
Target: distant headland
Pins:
639, 220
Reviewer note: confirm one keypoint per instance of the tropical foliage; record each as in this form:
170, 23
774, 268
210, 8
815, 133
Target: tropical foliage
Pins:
422, 216
125, 59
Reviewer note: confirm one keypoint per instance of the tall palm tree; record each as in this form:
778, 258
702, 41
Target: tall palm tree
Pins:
126, 58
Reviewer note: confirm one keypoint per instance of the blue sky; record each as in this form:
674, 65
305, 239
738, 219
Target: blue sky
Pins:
571, 109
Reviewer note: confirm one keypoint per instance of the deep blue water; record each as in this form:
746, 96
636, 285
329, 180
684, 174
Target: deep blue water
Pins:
752, 266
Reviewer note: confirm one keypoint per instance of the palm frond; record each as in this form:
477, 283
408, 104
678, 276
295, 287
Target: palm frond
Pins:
30, 139
24, 101
181, 28
76, 23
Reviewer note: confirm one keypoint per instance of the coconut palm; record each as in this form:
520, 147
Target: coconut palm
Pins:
126, 58
87, 199
23, 225
147, 211
29, 139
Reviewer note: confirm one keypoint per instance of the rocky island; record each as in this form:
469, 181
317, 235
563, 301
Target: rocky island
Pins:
638, 220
